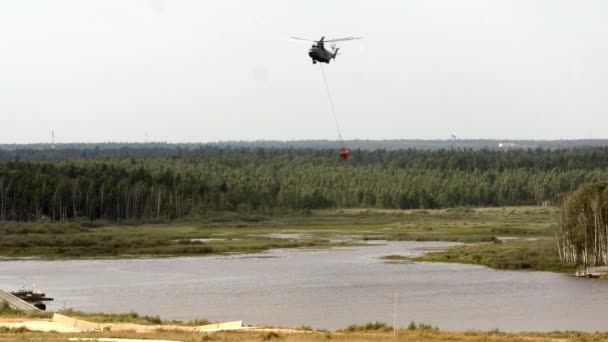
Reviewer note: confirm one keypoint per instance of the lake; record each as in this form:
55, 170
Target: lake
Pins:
321, 288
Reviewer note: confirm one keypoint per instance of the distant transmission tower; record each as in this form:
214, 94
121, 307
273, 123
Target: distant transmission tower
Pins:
453, 139
53, 139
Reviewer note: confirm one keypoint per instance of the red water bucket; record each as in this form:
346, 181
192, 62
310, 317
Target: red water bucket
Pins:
344, 153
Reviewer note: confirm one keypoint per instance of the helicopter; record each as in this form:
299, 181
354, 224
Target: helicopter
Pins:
318, 53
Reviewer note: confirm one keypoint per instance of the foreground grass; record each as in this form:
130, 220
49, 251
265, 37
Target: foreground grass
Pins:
371, 331
306, 336
540, 255
7, 311
232, 232
127, 317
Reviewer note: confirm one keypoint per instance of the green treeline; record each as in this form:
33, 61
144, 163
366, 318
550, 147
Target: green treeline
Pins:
582, 234
137, 184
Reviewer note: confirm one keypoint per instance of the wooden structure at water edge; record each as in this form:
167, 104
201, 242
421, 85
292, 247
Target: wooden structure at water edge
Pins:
591, 272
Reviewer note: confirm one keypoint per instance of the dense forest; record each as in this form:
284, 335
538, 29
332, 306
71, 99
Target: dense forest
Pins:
75, 150
152, 182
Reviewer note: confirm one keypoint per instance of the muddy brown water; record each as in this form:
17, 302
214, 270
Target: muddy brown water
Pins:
323, 289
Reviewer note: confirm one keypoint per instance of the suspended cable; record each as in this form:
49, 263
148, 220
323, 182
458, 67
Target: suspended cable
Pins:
331, 103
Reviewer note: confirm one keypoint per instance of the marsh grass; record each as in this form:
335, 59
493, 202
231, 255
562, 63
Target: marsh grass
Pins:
237, 232
538, 255
395, 257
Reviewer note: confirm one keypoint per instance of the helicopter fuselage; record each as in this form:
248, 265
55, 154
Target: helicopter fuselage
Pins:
319, 54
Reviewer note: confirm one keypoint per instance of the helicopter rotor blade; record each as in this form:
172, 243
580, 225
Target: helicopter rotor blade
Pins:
308, 40
342, 39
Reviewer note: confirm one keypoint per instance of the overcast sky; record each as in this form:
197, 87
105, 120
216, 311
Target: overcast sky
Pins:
199, 71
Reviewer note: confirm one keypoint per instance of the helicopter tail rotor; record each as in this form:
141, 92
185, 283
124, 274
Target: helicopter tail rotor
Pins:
335, 51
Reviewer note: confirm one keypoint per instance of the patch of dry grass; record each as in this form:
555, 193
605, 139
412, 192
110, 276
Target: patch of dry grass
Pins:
308, 336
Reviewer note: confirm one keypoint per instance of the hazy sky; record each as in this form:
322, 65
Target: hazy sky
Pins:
190, 71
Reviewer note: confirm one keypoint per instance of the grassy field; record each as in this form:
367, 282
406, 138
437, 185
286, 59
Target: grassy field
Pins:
230, 232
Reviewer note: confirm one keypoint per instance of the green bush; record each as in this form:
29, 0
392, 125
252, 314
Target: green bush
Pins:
369, 326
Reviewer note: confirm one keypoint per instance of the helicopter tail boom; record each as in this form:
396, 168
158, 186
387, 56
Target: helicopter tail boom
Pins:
335, 53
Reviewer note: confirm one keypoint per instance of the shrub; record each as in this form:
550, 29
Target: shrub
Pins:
270, 335
424, 326
91, 224
421, 326
304, 328
369, 326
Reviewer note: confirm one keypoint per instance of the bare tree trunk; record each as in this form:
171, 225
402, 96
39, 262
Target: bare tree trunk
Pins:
74, 191
170, 203
158, 202
176, 205
593, 204
101, 213
5, 200
88, 206
1, 199
126, 204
